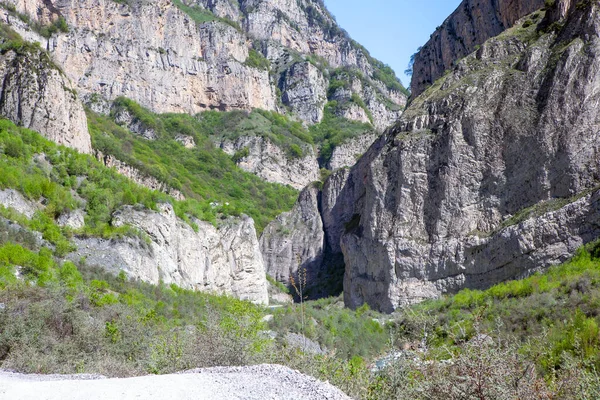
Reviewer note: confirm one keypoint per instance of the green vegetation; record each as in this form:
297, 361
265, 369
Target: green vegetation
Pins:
350, 333
204, 174
532, 336
43, 171
257, 60
334, 130
280, 130
280, 286
63, 318
58, 25
201, 15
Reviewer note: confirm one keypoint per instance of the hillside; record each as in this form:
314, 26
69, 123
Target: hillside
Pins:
232, 183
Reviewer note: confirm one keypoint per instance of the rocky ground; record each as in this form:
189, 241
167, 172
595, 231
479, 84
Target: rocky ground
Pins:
261, 382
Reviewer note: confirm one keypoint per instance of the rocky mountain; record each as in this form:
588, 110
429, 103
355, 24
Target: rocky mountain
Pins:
187, 57
291, 88
173, 56
491, 174
469, 26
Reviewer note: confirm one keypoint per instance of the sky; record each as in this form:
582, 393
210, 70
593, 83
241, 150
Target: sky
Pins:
391, 30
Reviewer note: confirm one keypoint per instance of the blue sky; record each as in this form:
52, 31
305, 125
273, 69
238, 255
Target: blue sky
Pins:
391, 30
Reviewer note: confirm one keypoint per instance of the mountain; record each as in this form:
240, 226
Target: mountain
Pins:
491, 173
228, 108
469, 26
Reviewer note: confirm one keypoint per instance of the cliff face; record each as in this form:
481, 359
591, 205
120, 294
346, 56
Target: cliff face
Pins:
271, 162
295, 240
189, 57
36, 94
224, 260
473, 22
490, 174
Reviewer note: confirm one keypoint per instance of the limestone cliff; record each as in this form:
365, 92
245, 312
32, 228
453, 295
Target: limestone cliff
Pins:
295, 240
36, 94
491, 173
270, 162
223, 260
173, 56
473, 22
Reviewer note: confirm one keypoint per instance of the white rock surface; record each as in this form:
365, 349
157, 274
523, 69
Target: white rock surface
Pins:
233, 383
271, 162
37, 95
10, 198
224, 260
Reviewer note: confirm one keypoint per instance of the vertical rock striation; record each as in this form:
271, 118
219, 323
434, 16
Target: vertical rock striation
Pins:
223, 260
473, 22
491, 174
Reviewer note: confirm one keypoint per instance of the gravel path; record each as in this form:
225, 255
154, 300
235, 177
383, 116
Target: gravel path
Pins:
261, 382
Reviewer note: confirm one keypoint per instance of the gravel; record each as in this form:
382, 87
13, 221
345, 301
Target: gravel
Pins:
260, 382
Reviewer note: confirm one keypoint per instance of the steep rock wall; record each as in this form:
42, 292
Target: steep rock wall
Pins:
295, 240
223, 260
36, 94
271, 162
489, 175
473, 22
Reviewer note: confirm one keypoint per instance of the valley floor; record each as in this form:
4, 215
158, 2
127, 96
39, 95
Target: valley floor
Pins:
239, 383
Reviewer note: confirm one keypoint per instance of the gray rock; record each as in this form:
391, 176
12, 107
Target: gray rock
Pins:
272, 163
472, 23
223, 260
157, 55
10, 198
346, 154
305, 92
74, 219
429, 208
303, 343
186, 141
36, 94
295, 240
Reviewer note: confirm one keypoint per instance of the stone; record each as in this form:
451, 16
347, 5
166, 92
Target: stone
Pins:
272, 163
74, 219
294, 241
473, 22
36, 94
305, 92
223, 260
490, 175
10, 198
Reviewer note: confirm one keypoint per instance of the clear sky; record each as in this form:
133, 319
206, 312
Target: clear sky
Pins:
391, 30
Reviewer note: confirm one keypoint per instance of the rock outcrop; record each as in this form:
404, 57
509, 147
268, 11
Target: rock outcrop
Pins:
223, 260
489, 175
473, 22
193, 56
272, 163
36, 94
305, 92
346, 154
295, 240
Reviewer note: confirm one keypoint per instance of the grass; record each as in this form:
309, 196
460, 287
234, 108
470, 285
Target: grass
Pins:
349, 333
278, 129
204, 174
334, 131
201, 15
257, 60
557, 305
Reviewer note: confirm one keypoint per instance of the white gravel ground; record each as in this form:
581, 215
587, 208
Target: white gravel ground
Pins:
261, 382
